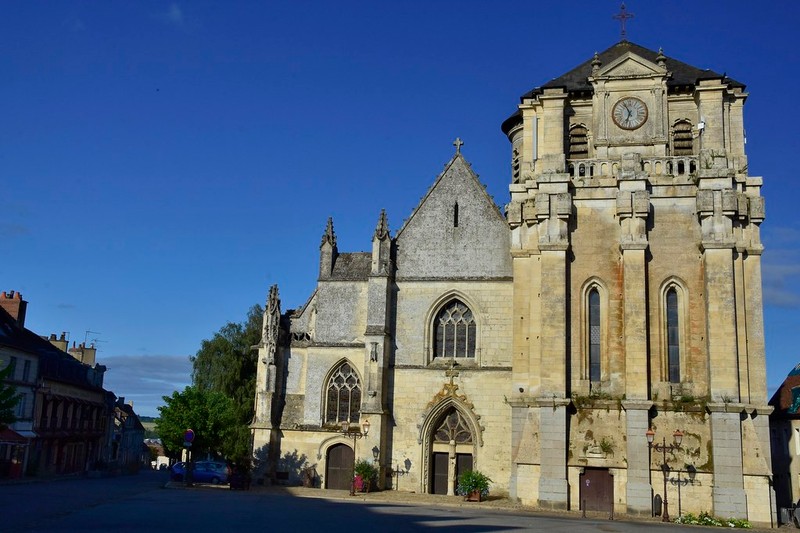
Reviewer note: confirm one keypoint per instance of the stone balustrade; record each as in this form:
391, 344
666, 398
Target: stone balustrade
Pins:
654, 166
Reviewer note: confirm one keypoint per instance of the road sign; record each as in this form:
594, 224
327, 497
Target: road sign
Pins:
189, 435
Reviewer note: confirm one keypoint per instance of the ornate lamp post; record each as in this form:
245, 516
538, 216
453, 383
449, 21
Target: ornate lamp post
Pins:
664, 448
692, 472
355, 433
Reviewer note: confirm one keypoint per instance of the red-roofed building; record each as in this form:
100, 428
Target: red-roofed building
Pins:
785, 437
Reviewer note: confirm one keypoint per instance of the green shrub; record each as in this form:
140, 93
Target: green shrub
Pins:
366, 470
472, 480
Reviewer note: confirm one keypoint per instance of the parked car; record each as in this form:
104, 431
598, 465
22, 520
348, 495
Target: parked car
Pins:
202, 472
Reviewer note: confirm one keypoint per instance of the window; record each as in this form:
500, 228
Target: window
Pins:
673, 337
682, 141
454, 428
454, 331
594, 335
21, 406
343, 396
578, 143
26, 370
12, 374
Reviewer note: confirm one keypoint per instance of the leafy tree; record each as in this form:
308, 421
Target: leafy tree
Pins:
210, 414
8, 398
227, 364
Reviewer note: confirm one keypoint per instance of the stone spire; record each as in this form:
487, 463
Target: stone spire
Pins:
327, 251
382, 229
329, 236
381, 246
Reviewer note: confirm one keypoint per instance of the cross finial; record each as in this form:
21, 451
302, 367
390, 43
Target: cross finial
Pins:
452, 372
458, 143
622, 16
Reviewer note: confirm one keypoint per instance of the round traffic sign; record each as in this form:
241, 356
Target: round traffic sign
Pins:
189, 435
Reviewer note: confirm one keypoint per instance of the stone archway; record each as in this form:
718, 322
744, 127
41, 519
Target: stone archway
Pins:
451, 452
339, 467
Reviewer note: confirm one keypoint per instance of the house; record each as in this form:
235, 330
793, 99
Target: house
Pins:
65, 415
785, 436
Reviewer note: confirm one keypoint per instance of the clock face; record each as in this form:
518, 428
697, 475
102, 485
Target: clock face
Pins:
629, 113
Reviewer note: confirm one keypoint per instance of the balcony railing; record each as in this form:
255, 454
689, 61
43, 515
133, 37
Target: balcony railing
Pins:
667, 166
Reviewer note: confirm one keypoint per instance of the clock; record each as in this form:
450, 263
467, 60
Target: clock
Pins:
629, 113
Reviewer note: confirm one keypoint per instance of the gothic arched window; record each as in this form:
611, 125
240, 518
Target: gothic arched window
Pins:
454, 331
682, 140
594, 335
343, 396
673, 337
453, 427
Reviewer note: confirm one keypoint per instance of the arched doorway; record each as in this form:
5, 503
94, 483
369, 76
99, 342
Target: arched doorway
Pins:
451, 452
339, 467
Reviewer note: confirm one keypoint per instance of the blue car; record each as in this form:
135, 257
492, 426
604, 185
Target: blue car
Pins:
213, 472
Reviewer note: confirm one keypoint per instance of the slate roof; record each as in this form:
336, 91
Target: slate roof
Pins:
785, 401
53, 363
576, 80
352, 266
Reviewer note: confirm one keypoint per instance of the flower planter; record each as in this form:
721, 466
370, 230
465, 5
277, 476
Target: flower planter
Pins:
474, 496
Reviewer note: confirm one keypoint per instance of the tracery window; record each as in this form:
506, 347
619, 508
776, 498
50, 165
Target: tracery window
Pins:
673, 337
454, 331
594, 335
578, 143
453, 428
682, 140
343, 396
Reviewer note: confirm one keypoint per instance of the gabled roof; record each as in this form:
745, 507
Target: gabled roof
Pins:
576, 80
458, 158
682, 73
354, 266
53, 363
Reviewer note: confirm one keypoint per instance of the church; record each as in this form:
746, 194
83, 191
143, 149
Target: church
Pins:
585, 346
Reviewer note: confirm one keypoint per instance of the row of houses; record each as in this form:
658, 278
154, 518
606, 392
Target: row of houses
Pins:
66, 422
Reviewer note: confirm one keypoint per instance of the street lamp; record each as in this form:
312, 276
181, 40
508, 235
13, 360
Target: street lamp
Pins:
692, 472
355, 433
664, 448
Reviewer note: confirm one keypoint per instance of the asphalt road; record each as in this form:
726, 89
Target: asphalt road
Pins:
141, 503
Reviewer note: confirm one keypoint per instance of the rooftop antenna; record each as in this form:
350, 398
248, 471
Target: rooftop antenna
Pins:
622, 17
95, 340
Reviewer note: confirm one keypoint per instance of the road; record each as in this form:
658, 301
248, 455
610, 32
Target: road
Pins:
141, 503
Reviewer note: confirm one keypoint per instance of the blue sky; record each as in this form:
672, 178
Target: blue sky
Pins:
163, 163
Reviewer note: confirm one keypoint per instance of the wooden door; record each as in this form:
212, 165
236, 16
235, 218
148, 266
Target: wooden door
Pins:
463, 463
339, 467
439, 473
597, 489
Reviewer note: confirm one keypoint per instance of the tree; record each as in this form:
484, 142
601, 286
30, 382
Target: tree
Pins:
8, 398
227, 364
210, 414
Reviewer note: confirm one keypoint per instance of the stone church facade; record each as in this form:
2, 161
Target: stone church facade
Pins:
619, 291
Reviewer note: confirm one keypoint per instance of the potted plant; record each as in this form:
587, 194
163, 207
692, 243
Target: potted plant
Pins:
473, 485
365, 474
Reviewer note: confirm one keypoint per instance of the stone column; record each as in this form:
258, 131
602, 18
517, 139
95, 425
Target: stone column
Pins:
638, 490
553, 486
633, 208
728, 490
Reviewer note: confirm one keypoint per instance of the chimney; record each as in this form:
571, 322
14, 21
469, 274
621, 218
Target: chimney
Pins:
14, 305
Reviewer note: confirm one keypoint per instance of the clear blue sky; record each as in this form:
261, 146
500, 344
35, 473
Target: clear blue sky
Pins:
163, 163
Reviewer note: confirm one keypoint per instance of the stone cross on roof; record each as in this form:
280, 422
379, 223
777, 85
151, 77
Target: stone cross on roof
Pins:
458, 143
622, 17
